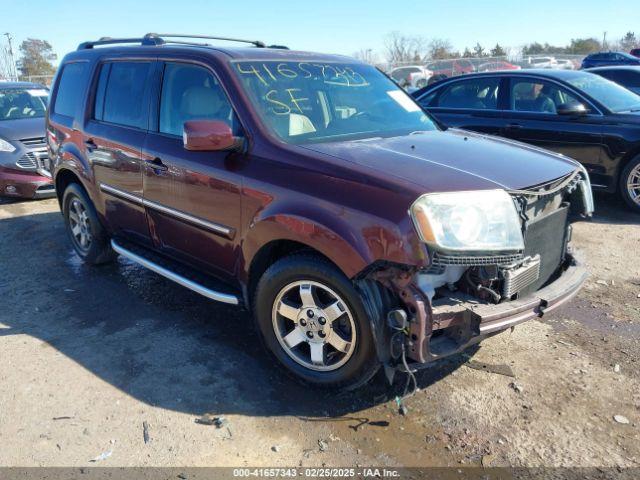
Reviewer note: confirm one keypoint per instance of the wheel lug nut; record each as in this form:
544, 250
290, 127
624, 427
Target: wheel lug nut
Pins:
321, 334
303, 322
310, 313
322, 320
310, 334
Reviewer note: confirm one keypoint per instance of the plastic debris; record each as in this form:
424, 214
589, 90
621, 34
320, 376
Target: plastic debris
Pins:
621, 419
102, 456
208, 419
517, 387
145, 431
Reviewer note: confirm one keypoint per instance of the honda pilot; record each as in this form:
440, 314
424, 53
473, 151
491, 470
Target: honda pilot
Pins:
312, 191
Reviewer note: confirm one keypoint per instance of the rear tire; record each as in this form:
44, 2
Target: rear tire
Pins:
311, 318
630, 184
87, 235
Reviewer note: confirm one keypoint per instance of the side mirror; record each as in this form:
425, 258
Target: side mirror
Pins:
208, 135
572, 109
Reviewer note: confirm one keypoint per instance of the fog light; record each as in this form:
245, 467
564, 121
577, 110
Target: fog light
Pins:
11, 189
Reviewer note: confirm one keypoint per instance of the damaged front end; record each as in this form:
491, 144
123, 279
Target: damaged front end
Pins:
463, 297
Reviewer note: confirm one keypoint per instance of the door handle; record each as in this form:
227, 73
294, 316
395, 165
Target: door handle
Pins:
90, 145
157, 165
513, 126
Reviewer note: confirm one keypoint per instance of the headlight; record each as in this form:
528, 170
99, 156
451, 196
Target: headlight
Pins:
6, 146
479, 221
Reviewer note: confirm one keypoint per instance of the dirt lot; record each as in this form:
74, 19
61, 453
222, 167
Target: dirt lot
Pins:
90, 355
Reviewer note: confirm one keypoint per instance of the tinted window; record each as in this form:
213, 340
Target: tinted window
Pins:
477, 93
70, 89
623, 77
189, 93
613, 96
539, 96
122, 94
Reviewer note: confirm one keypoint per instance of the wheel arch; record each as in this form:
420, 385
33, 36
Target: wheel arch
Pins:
65, 177
628, 158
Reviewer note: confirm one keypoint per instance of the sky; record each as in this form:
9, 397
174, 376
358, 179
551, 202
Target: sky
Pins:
342, 27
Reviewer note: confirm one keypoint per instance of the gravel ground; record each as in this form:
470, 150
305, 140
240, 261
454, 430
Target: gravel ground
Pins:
92, 358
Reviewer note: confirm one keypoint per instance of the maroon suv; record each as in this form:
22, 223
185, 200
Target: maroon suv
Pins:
312, 191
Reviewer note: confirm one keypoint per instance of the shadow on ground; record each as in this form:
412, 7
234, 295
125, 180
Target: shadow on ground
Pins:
159, 342
611, 209
155, 340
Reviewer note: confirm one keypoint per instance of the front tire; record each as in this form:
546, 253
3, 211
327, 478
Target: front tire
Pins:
630, 184
312, 320
87, 235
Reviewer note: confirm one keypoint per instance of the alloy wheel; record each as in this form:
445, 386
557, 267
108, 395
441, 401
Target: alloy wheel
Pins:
633, 184
79, 224
314, 325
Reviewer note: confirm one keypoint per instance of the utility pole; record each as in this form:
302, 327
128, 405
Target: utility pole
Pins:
14, 71
604, 41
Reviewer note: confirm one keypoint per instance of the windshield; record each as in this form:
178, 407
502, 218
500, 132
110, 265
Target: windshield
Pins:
304, 102
611, 95
18, 103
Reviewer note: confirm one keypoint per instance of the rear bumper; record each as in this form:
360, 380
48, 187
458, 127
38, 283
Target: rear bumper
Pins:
460, 321
25, 184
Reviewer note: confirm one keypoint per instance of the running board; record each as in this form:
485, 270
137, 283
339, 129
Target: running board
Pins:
180, 279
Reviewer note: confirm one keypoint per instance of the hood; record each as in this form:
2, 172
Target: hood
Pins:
22, 128
453, 160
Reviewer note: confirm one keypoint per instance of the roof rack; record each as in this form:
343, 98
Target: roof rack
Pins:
155, 39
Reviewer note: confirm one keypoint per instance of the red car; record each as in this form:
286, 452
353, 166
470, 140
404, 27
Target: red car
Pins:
23, 149
497, 66
451, 68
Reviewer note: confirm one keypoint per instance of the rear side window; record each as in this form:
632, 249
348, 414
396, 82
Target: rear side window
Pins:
122, 94
70, 89
477, 93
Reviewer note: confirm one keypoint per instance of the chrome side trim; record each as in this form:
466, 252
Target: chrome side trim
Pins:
214, 227
116, 192
185, 282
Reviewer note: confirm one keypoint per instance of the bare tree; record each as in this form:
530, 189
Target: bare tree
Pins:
367, 56
404, 48
7, 68
440, 48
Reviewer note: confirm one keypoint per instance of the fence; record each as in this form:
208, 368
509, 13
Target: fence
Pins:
43, 79
414, 74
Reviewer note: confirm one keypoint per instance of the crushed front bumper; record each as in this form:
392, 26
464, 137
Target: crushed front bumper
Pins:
451, 324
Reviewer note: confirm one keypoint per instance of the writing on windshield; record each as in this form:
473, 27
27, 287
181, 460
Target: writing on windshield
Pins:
317, 101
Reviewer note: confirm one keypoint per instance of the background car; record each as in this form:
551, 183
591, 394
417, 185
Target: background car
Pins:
542, 62
576, 113
496, 66
609, 58
565, 64
23, 154
415, 76
635, 52
451, 68
628, 77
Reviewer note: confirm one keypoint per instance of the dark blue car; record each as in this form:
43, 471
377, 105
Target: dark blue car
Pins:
609, 58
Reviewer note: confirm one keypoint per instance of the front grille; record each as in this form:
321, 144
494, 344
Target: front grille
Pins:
35, 142
28, 161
